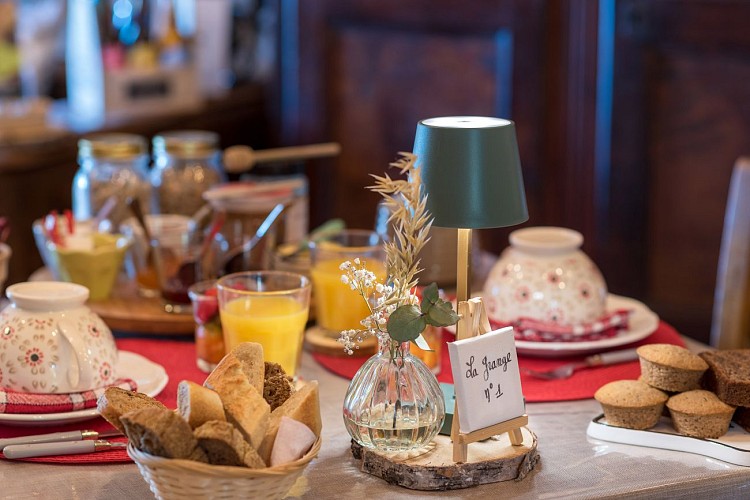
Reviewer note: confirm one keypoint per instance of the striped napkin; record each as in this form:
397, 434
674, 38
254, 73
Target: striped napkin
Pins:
32, 403
533, 330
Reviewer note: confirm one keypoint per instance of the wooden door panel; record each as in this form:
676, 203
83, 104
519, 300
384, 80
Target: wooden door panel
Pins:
681, 118
384, 81
363, 73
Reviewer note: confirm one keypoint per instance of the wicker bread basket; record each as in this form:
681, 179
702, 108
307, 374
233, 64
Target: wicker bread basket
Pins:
180, 479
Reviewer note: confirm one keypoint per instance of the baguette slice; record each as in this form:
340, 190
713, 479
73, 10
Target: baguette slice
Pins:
248, 411
163, 433
244, 405
198, 404
115, 402
224, 445
303, 406
246, 359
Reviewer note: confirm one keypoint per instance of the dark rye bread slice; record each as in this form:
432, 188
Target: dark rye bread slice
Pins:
728, 375
116, 402
224, 445
277, 385
162, 433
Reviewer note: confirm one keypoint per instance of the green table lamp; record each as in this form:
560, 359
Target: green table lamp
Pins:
471, 172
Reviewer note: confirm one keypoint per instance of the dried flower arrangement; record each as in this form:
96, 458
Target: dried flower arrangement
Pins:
396, 313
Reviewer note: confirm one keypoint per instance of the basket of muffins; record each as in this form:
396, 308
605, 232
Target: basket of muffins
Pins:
247, 432
701, 393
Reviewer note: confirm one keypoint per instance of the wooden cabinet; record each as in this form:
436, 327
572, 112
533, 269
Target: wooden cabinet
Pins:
630, 114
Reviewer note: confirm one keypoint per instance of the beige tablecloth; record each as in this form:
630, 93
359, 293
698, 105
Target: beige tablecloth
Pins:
572, 466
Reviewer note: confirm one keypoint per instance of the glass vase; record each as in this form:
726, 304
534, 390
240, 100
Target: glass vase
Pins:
394, 402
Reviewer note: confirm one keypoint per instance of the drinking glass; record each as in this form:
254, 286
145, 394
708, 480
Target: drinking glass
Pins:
267, 307
338, 307
209, 340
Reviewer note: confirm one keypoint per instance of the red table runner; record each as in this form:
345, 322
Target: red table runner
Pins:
582, 385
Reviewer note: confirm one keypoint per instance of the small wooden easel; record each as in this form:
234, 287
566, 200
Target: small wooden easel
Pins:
474, 321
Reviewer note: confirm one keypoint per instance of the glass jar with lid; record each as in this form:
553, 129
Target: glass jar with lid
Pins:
186, 164
110, 166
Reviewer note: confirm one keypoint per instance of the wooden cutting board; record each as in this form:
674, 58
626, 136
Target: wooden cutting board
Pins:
127, 311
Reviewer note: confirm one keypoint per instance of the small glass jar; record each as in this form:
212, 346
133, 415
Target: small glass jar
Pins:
186, 163
110, 166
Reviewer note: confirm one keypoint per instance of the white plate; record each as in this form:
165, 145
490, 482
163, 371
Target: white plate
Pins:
643, 322
732, 447
150, 377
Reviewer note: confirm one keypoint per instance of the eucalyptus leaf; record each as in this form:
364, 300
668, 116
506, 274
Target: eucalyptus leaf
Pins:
422, 343
441, 314
406, 323
429, 296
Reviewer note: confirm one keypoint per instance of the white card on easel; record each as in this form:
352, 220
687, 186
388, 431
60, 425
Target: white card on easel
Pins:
487, 379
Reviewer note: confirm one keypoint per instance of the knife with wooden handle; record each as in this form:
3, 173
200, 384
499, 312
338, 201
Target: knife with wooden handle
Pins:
59, 448
54, 437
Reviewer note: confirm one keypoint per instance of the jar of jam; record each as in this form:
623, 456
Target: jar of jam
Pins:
186, 164
110, 166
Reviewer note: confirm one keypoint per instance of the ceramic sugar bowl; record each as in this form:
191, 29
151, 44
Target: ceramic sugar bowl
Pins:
545, 276
50, 342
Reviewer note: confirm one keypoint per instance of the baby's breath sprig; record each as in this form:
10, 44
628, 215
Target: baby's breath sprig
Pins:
395, 310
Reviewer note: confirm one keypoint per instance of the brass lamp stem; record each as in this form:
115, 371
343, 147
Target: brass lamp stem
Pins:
463, 274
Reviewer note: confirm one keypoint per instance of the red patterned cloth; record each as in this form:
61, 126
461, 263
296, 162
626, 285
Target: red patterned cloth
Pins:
535, 330
22, 402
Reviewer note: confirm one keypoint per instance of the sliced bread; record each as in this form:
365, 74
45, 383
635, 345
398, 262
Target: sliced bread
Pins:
116, 402
303, 406
198, 404
224, 445
728, 375
163, 433
277, 385
245, 359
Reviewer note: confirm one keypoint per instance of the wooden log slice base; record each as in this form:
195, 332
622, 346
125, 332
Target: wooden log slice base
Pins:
490, 461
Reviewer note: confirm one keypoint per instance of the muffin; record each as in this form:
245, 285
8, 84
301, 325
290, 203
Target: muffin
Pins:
700, 414
671, 368
728, 375
631, 404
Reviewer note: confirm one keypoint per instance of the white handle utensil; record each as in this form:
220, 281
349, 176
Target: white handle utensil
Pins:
55, 437
64, 448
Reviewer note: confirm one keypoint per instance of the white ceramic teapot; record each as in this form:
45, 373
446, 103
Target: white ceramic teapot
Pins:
50, 342
545, 276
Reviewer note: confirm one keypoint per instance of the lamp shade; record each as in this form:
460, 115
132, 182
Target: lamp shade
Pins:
471, 171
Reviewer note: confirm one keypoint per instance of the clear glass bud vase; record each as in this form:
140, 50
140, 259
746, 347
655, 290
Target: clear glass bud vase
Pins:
394, 402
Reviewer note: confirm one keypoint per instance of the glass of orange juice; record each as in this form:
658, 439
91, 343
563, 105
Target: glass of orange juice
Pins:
267, 307
337, 307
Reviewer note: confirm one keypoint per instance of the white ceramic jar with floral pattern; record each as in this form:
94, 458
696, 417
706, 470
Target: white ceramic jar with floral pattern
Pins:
50, 342
545, 276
